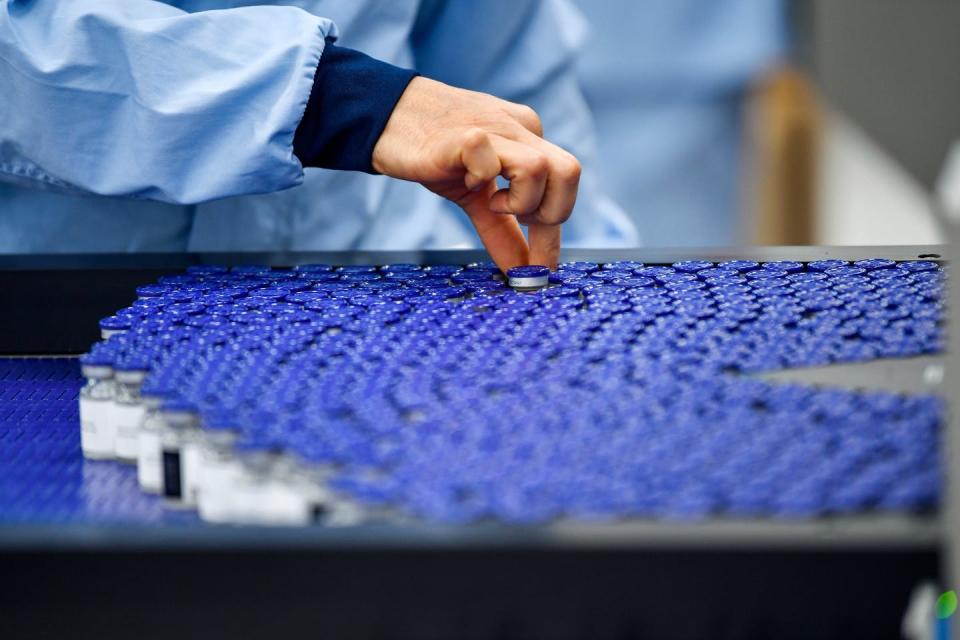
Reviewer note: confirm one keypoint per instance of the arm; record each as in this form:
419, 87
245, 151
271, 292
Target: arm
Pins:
136, 98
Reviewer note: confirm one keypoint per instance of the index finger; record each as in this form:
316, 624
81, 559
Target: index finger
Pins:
501, 235
544, 244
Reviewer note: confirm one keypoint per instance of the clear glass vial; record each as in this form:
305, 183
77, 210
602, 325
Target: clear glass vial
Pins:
179, 452
220, 470
149, 469
128, 410
96, 400
263, 492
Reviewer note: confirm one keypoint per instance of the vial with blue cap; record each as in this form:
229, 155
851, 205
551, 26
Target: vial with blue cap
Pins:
179, 453
114, 325
528, 277
582, 267
96, 399
314, 268
298, 492
221, 468
261, 492
128, 410
357, 268
149, 451
692, 266
739, 265
251, 269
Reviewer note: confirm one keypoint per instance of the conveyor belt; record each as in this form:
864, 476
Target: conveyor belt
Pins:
43, 476
60, 488
833, 577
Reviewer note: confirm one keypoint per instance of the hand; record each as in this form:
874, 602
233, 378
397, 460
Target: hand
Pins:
456, 142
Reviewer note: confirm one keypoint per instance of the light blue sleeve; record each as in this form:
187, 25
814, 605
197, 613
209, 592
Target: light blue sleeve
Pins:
525, 51
139, 99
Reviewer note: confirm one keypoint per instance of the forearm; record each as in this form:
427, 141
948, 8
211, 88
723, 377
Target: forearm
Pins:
136, 98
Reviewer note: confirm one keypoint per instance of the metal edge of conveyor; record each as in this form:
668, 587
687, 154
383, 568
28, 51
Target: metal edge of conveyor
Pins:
881, 532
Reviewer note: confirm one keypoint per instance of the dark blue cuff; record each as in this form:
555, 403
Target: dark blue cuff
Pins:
352, 98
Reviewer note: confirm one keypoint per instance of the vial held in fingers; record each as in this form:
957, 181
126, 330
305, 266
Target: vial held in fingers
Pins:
528, 277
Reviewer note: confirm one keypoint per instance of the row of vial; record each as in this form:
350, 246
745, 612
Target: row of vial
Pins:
207, 469
203, 469
232, 481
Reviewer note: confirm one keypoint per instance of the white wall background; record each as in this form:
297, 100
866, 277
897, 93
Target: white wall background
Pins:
865, 197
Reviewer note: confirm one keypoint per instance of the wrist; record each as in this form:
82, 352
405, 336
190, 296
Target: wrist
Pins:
352, 99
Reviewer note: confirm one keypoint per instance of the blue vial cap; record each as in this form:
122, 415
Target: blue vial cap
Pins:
358, 276
314, 268
98, 358
179, 405
761, 274
915, 266
528, 271
156, 387
468, 276
357, 268
635, 282
154, 290
826, 265
559, 277
875, 263
484, 265
115, 323
132, 363
311, 278
624, 265
184, 308
442, 270
220, 420
406, 276
584, 267
789, 266
739, 265
845, 272
449, 293
692, 266
400, 267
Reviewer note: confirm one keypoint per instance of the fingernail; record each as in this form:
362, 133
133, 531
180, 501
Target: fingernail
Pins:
474, 183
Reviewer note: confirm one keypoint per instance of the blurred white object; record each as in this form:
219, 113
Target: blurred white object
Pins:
948, 186
865, 197
918, 621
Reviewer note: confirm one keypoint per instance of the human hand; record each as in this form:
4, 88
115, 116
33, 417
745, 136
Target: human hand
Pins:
456, 142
